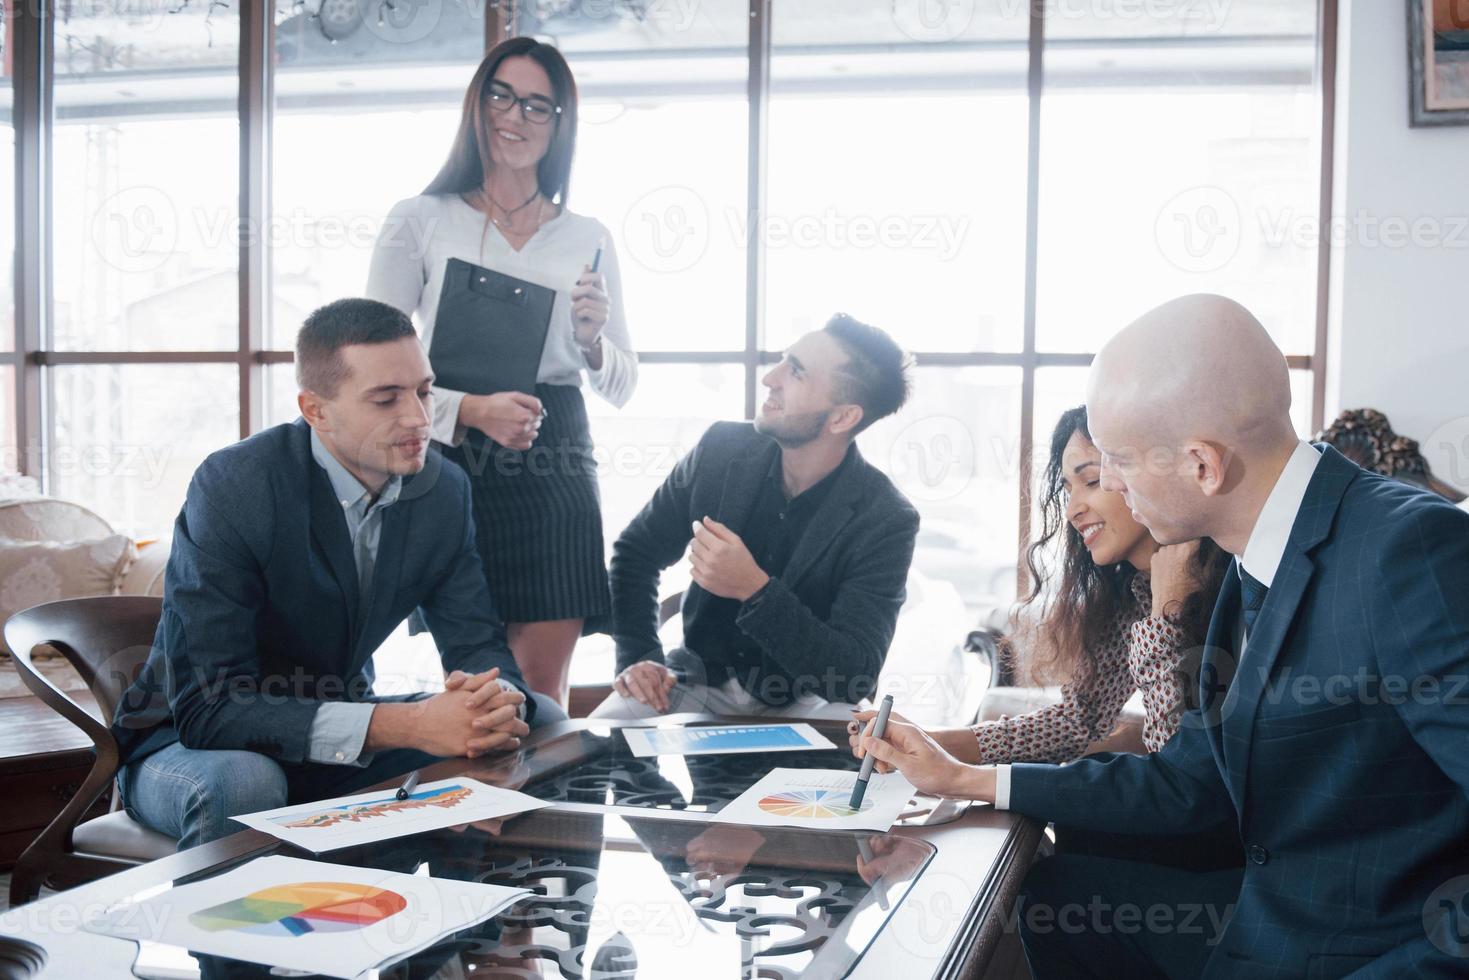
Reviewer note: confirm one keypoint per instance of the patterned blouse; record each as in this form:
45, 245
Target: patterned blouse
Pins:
1141, 652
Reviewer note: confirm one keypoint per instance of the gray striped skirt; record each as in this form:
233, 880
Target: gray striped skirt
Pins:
538, 515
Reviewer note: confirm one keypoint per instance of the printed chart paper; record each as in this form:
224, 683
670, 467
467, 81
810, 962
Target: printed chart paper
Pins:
329, 919
350, 820
724, 739
818, 799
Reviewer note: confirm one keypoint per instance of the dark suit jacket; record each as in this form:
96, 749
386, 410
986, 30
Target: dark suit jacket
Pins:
262, 620
1341, 747
824, 625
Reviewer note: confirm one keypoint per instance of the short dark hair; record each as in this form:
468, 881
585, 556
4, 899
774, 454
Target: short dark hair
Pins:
319, 364
877, 375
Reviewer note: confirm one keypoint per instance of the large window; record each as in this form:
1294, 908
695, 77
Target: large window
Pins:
9, 435
144, 256
1002, 200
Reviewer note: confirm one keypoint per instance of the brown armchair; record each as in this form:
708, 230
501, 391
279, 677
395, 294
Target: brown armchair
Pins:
106, 639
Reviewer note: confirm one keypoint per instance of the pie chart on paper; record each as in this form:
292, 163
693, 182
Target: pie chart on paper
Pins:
815, 803
299, 909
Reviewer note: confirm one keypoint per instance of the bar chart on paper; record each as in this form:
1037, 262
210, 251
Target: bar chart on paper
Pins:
724, 739
347, 821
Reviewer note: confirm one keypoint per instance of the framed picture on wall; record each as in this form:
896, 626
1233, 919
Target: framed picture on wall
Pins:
1438, 56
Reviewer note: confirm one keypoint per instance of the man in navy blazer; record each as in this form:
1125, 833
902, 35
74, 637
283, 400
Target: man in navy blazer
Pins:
1333, 716
297, 552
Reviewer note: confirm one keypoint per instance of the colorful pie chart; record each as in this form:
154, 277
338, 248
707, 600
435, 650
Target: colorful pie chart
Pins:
818, 803
295, 910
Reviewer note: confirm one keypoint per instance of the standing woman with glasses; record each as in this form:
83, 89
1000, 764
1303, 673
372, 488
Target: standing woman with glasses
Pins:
500, 201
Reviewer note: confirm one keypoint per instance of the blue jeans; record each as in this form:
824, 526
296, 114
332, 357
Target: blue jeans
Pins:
192, 793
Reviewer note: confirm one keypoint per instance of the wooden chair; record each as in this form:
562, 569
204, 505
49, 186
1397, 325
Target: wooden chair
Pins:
106, 639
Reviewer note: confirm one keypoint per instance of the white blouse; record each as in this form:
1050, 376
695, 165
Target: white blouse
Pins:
422, 233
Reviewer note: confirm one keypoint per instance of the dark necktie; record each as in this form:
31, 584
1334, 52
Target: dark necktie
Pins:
1252, 596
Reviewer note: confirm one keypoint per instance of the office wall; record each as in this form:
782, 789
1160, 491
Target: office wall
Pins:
1400, 302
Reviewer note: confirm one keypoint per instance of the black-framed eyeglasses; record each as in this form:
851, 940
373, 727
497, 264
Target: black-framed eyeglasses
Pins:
533, 108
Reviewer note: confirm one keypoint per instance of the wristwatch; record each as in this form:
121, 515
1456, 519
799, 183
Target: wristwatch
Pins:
594, 345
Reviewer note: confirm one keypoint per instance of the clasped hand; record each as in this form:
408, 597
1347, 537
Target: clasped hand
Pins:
473, 716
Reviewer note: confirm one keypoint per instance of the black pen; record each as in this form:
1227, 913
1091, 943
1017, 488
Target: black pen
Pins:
865, 773
597, 259
409, 785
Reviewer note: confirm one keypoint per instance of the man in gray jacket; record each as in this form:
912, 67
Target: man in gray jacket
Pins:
799, 548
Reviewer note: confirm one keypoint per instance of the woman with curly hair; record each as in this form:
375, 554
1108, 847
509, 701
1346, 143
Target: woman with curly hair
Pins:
1120, 617
1122, 614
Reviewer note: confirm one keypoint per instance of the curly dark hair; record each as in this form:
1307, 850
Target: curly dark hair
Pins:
1079, 611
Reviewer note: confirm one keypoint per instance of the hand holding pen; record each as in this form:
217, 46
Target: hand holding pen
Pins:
590, 305
879, 729
926, 764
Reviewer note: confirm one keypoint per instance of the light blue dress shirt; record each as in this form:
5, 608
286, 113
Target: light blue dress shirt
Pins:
339, 728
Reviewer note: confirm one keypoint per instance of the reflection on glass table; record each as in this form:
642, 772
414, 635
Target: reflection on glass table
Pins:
607, 773
620, 897
642, 884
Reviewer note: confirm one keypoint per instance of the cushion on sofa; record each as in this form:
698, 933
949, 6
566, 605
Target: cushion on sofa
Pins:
33, 572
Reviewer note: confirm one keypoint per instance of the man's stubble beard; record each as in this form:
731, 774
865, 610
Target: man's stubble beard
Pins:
794, 431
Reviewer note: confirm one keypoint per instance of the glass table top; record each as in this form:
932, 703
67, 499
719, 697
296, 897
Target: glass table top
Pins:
618, 895
596, 766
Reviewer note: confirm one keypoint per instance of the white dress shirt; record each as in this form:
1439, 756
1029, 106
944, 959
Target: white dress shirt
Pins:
1267, 542
420, 236
1263, 552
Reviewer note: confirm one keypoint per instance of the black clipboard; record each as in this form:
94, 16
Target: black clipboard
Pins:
489, 331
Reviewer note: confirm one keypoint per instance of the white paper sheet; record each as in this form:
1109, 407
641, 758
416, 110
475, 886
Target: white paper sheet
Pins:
308, 915
724, 739
817, 799
350, 820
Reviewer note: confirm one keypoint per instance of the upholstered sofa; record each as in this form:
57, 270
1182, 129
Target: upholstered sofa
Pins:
52, 549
